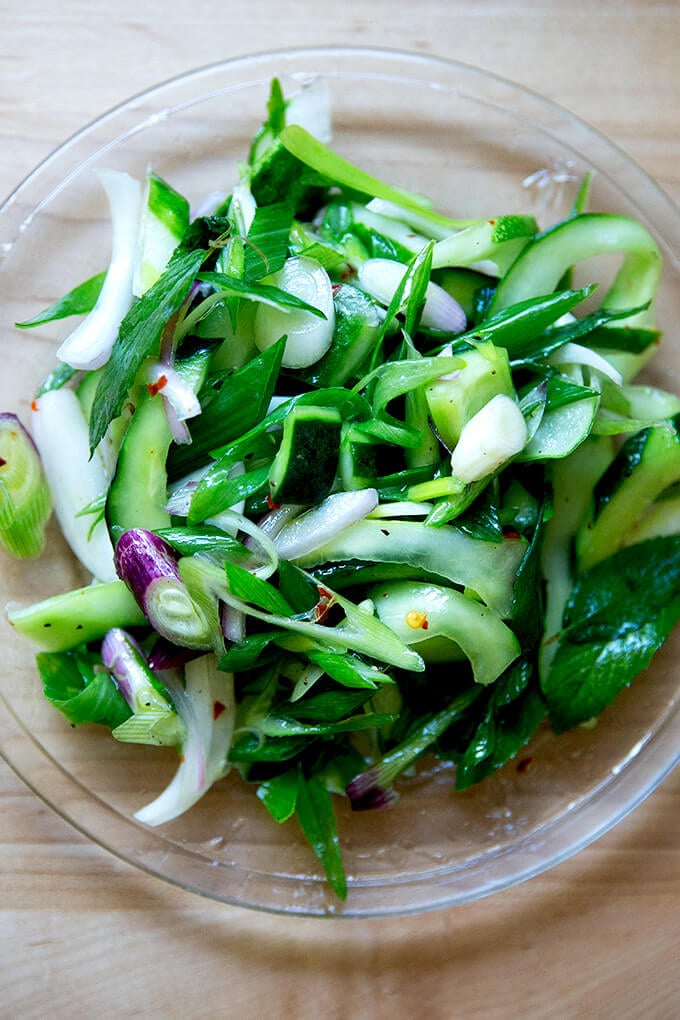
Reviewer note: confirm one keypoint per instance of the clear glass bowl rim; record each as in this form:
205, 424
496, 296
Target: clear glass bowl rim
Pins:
587, 819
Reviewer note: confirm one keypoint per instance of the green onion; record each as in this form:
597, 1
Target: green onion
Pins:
25, 502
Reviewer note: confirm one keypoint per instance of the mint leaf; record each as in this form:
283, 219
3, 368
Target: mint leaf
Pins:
140, 336
619, 614
513, 713
78, 301
77, 684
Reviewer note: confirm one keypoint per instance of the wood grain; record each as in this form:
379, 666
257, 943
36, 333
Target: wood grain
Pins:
82, 934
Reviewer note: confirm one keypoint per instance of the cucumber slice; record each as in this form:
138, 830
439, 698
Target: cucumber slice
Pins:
306, 464
561, 430
458, 397
165, 218
573, 479
428, 618
138, 491
542, 264
647, 463
499, 241
487, 568
661, 520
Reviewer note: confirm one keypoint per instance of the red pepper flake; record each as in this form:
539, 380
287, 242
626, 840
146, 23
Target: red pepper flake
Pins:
511, 533
492, 223
322, 608
524, 765
218, 709
156, 387
271, 504
336, 287
34, 405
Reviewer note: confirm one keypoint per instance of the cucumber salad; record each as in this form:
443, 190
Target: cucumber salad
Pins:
355, 483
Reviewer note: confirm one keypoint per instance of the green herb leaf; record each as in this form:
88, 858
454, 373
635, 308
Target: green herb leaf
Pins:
265, 293
246, 653
205, 540
252, 747
239, 405
594, 326
619, 613
520, 322
139, 337
62, 374
78, 301
208, 501
255, 591
279, 794
419, 283
349, 670
527, 599
78, 685
317, 820
329, 164
266, 247
513, 714
297, 588
327, 707
395, 378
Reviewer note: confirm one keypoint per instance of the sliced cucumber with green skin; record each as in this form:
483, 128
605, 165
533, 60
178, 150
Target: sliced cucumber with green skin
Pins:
542, 264
499, 241
648, 402
561, 431
305, 466
662, 519
573, 479
424, 614
138, 492
458, 397
647, 463
165, 218
487, 568
357, 463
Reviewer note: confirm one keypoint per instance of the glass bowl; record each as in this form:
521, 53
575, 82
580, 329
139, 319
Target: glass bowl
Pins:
478, 146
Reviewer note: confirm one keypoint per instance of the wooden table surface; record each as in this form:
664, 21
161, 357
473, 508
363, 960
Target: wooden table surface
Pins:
82, 935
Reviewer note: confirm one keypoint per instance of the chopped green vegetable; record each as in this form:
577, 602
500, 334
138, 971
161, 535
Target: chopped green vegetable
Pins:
377, 480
